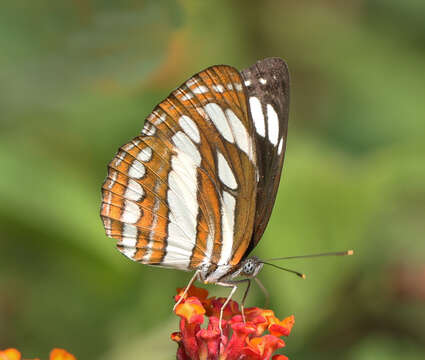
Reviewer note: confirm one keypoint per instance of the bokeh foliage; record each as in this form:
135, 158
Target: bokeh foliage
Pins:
77, 80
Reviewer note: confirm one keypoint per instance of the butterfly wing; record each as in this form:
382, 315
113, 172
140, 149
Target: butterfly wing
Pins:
182, 193
267, 84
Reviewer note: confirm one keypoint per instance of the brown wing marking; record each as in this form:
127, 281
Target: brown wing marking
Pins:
146, 218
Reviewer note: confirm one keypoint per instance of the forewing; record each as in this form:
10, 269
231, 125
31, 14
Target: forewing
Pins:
182, 194
267, 85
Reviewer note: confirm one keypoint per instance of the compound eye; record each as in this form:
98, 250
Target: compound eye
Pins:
248, 268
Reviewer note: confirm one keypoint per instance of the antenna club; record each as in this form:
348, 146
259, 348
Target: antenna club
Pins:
303, 276
350, 252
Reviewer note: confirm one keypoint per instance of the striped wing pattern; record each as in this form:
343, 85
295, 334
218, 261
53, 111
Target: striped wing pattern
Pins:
182, 194
267, 88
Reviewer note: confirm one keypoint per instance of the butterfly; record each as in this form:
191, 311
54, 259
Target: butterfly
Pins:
195, 189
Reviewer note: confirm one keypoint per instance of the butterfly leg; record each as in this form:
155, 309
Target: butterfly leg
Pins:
244, 298
234, 286
264, 290
196, 275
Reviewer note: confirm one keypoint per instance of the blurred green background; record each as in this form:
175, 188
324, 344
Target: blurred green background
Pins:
77, 80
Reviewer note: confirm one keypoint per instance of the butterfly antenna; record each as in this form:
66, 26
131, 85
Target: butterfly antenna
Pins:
301, 275
337, 253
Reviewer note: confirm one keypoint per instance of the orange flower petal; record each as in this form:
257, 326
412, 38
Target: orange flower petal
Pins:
61, 354
281, 328
176, 336
190, 310
231, 309
10, 354
254, 312
256, 344
263, 347
278, 330
194, 291
267, 313
289, 322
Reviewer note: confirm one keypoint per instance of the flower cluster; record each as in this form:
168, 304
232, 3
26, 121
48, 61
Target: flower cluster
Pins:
239, 341
55, 354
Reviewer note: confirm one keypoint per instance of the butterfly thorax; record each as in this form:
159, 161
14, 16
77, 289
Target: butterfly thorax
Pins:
247, 268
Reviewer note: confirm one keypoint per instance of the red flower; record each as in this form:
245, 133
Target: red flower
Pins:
240, 340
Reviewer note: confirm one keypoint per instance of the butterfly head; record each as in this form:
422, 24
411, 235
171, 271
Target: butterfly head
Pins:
250, 267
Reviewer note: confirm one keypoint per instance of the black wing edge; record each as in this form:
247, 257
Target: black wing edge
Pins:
268, 80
